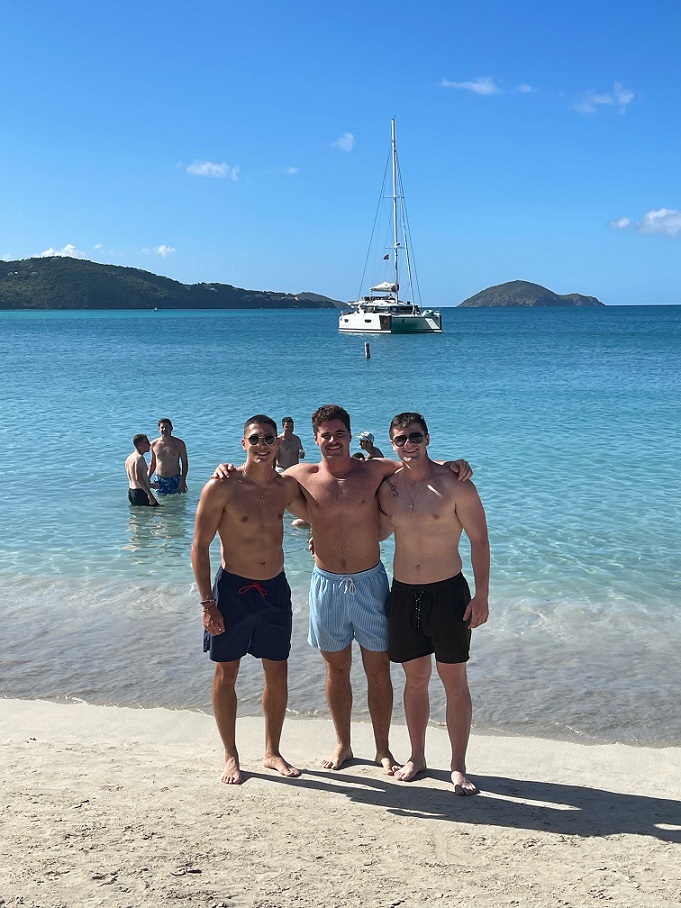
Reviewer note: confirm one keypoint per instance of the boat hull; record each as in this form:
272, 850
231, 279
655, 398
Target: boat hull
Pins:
380, 323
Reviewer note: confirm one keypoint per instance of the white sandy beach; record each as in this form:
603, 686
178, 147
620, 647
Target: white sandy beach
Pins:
121, 807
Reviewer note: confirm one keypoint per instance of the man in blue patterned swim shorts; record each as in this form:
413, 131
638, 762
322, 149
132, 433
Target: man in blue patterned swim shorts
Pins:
169, 463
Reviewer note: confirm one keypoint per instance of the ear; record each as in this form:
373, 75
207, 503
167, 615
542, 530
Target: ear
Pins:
243, 444
427, 439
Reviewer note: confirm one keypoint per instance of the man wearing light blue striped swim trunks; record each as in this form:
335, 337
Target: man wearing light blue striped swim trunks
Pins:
348, 607
349, 585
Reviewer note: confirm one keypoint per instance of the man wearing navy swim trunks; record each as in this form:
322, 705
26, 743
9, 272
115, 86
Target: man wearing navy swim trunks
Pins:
248, 609
430, 609
169, 463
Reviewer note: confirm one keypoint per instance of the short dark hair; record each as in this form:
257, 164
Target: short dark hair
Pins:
287, 419
402, 420
136, 439
261, 418
327, 413
166, 420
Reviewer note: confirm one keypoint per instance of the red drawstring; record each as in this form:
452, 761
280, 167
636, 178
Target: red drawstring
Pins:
254, 586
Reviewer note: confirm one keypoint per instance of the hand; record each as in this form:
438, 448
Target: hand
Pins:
462, 467
182, 486
310, 545
223, 470
213, 621
476, 613
153, 485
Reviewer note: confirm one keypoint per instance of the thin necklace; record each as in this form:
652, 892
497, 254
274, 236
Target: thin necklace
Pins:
261, 482
343, 478
413, 498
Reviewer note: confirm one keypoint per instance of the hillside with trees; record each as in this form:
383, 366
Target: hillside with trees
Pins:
60, 282
525, 294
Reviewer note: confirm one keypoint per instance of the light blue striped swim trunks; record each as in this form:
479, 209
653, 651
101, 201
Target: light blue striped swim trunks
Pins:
347, 607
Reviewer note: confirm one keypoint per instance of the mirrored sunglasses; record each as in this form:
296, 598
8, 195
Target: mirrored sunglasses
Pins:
414, 437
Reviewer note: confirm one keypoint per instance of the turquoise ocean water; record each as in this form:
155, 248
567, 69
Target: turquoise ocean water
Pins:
571, 419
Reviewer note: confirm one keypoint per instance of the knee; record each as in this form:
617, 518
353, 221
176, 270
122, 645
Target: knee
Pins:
226, 674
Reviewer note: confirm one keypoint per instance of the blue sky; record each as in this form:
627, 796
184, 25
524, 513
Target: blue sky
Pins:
245, 143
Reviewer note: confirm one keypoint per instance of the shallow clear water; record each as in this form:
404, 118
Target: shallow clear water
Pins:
570, 418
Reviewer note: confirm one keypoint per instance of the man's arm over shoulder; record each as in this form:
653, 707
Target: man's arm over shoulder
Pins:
471, 515
460, 467
297, 504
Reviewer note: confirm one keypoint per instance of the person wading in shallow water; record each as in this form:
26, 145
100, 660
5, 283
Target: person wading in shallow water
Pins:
430, 609
248, 610
167, 453
349, 584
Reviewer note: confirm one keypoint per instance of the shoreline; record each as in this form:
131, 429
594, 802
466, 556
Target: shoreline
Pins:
118, 806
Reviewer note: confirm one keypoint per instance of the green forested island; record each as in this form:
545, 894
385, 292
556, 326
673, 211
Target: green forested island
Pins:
61, 282
525, 294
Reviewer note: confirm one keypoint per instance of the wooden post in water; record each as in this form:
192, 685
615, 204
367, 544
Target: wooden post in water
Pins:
367, 350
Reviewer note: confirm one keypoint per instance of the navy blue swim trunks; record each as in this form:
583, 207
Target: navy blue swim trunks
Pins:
428, 618
258, 618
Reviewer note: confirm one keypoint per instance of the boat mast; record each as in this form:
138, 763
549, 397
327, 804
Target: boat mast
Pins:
396, 244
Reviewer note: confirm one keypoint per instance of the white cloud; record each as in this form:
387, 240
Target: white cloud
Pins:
346, 142
162, 250
620, 97
484, 85
664, 220
98, 246
210, 169
620, 223
68, 251
291, 170
487, 85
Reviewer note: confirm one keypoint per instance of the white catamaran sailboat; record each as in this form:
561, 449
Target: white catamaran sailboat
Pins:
383, 312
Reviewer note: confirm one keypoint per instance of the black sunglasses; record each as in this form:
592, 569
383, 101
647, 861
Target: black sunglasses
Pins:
255, 439
414, 437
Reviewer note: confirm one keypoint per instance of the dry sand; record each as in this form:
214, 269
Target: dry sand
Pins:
121, 807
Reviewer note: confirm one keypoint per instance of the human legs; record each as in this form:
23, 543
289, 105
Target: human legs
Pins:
339, 698
380, 701
458, 716
274, 700
417, 712
224, 709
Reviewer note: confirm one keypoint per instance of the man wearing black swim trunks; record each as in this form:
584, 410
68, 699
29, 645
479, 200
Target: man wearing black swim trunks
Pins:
139, 490
430, 609
248, 610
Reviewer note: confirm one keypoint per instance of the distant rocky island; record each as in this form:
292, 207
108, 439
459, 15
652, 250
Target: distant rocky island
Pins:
60, 282
524, 294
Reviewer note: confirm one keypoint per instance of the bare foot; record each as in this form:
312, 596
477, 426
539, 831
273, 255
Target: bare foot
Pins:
231, 774
388, 762
279, 764
340, 756
410, 770
462, 785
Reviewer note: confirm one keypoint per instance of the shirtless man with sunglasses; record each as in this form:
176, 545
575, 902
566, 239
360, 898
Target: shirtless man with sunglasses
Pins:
349, 584
248, 608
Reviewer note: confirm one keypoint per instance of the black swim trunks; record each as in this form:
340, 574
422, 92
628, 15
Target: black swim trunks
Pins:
258, 618
138, 497
428, 618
